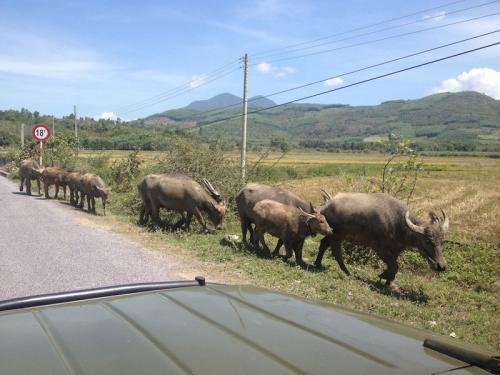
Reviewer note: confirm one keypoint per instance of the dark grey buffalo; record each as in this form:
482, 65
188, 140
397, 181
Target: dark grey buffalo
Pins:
29, 170
181, 194
253, 193
288, 223
384, 224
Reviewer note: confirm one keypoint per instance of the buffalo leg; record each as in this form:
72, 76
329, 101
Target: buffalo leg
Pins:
251, 231
298, 254
276, 251
46, 189
189, 217
392, 268
28, 186
142, 215
323, 245
64, 191
155, 214
179, 222
199, 217
22, 182
92, 200
337, 254
289, 251
38, 185
89, 203
56, 195
259, 236
244, 228
82, 197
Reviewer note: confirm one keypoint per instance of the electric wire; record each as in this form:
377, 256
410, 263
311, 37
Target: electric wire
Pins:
360, 28
357, 70
386, 28
355, 83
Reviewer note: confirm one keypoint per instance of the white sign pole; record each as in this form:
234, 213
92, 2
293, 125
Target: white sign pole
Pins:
41, 153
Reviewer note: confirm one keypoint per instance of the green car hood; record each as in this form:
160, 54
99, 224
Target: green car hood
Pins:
212, 329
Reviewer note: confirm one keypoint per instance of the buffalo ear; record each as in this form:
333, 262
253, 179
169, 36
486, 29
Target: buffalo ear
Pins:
434, 217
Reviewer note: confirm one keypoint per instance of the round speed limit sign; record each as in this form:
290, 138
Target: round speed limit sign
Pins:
41, 132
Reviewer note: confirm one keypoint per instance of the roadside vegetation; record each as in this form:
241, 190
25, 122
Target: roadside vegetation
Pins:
462, 302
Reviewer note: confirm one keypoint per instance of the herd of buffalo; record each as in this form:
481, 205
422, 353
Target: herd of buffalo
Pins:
374, 220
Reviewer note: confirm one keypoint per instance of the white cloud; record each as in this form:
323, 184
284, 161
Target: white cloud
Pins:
334, 82
32, 55
438, 16
198, 80
264, 67
277, 71
483, 80
106, 116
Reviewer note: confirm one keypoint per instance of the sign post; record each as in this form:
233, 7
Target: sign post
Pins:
41, 133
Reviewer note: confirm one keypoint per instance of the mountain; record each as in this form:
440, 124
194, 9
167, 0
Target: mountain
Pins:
226, 99
465, 118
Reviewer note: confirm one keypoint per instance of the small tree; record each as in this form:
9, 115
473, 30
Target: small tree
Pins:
401, 170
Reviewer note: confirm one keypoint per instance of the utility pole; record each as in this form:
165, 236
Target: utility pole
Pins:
245, 118
76, 133
22, 135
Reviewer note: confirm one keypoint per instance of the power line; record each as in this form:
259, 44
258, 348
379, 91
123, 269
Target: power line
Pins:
186, 90
360, 69
384, 38
384, 29
182, 86
362, 27
358, 82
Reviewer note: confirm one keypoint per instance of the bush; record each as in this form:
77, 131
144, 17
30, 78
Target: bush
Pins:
193, 158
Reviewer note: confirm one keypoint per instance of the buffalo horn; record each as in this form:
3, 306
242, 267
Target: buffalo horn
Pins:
413, 227
211, 188
326, 195
446, 223
305, 213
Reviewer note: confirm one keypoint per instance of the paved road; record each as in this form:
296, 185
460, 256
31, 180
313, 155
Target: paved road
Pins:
44, 248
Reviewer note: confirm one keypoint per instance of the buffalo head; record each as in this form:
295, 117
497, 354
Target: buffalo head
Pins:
105, 195
430, 238
216, 214
316, 222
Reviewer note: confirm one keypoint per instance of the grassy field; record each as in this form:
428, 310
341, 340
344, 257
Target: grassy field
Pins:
465, 300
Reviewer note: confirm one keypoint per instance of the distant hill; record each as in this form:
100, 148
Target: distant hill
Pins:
465, 118
226, 99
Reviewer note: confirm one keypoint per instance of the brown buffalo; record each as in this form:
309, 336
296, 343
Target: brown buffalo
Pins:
54, 176
92, 186
290, 224
29, 170
183, 195
74, 180
252, 193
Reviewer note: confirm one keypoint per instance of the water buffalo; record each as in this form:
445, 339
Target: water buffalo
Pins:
92, 186
29, 170
74, 180
181, 194
54, 176
252, 193
288, 223
384, 224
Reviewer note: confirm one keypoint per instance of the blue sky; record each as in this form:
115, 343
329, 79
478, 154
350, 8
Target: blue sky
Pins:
105, 56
